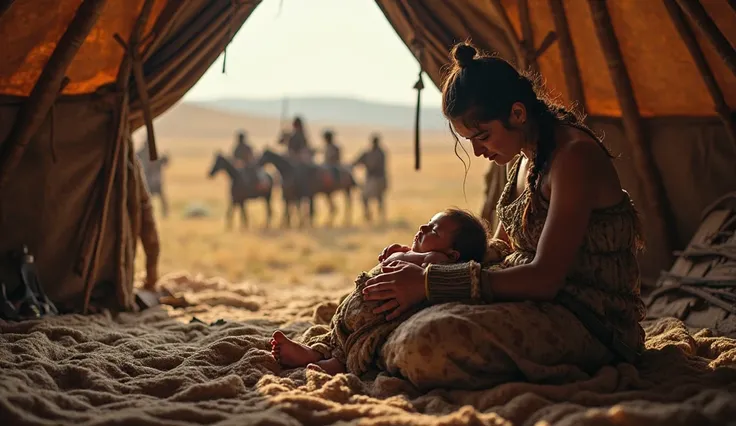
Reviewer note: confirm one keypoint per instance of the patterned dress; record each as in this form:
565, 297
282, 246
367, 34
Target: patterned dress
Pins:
460, 345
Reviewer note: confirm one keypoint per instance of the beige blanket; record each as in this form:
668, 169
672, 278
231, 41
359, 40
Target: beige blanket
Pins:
156, 368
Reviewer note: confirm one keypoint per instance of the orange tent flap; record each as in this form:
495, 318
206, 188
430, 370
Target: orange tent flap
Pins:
31, 29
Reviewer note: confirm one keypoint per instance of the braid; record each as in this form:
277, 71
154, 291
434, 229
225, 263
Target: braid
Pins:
548, 115
545, 144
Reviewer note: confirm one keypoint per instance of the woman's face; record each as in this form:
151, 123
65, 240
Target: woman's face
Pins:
492, 140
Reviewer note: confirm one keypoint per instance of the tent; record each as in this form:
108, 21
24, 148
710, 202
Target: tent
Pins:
658, 78
77, 77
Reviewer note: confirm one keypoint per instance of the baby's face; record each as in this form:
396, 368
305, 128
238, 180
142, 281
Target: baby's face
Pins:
437, 235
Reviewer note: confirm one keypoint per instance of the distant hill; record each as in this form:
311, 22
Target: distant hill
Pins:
188, 121
187, 127
335, 110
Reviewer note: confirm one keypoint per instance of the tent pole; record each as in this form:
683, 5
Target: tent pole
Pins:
700, 17
567, 54
641, 151
688, 37
508, 28
47, 87
121, 128
528, 35
133, 62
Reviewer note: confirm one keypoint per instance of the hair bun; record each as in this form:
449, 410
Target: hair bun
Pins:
464, 54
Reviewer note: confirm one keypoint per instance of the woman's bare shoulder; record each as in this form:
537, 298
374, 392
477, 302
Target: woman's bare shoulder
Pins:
580, 154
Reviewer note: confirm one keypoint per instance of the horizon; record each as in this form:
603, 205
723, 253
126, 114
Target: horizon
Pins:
330, 97
360, 59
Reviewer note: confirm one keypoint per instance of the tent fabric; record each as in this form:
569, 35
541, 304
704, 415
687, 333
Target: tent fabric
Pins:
66, 165
44, 201
666, 81
31, 30
180, 42
691, 148
71, 156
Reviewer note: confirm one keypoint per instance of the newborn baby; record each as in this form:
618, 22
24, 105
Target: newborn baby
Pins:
356, 333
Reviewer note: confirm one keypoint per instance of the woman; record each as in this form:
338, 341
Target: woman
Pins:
566, 300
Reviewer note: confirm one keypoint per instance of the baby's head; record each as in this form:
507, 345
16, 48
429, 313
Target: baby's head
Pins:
457, 233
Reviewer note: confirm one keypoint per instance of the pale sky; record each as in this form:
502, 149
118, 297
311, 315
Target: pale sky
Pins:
316, 47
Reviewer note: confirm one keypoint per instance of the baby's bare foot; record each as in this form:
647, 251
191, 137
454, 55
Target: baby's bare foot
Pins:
330, 366
290, 353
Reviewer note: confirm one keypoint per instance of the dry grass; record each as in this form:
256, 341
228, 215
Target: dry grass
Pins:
290, 256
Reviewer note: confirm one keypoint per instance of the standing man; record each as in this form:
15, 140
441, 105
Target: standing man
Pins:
376, 182
152, 171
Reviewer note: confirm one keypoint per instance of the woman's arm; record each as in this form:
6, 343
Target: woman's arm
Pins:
574, 182
501, 234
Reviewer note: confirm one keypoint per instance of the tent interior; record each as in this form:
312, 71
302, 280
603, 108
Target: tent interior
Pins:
77, 77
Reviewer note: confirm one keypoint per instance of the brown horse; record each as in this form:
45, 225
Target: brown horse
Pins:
303, 181
247, 183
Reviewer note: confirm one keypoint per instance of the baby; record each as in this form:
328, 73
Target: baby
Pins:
356, 333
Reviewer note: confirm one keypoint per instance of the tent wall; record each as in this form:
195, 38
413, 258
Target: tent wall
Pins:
691, 148
64, 173
696, 161
44, 202
666, 81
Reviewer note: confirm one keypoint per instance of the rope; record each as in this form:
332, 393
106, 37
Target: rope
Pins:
418, 47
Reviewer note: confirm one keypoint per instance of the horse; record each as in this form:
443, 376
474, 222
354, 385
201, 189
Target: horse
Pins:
303, 181
247, 183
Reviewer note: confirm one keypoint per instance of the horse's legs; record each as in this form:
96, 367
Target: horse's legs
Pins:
285, 219
311, 210
381, 208
304, 207
366, 209
243, 216
348, 206
267, 198
331, 204
299, 214
229, 216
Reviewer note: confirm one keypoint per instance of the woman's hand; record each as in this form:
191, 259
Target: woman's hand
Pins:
393, 248
400, 284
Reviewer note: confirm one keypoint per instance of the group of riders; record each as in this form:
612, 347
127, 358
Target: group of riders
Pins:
298, 151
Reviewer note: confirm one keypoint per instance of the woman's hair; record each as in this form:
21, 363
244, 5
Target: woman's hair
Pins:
480, 88
471, 236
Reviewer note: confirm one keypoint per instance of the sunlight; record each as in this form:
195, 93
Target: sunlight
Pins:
316, 48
